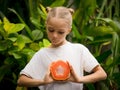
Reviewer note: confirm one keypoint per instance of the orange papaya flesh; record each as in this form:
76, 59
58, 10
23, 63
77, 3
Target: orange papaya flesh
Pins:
60, 70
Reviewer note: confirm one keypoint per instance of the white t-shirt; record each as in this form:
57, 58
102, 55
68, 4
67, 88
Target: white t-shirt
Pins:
76, 54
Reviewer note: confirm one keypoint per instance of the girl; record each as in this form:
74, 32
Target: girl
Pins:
37, 72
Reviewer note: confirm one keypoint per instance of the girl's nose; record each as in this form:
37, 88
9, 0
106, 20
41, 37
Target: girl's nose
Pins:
55, 34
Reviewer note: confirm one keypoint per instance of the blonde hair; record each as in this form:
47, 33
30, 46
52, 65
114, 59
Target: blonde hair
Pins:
60, 12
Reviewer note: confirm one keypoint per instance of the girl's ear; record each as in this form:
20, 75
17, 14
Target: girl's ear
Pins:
71, 11
69, 31
48, 9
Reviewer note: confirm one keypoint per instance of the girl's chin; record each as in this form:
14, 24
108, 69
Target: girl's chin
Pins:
56, 44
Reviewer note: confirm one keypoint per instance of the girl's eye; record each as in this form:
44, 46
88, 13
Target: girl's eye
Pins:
61, 32
50, 30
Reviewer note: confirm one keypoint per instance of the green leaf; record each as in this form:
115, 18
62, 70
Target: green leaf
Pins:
0, 22
20, 42
2, 32
37, 34
43, 9
13, 39
46, 43
21, 88
3, 46
100, 40
33, 5
101, 58
75, 32
35, 22
28, 52
57, 3
13, 28
26, 39
84, 11
16, 55
41, 44
115, 45
109, 61
28, 30
99, 31
34, 46
5, 20
9, 61
42, 14
115, 25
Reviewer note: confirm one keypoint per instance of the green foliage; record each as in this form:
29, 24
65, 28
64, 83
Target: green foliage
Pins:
16, 49
57, 3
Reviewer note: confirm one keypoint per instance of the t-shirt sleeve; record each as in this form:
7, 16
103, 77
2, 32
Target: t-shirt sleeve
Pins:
89, 61
34, 68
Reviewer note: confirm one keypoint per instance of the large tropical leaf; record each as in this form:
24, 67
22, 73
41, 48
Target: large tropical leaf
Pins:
11, 27
37, 34
57, 3
27, 28
115, 25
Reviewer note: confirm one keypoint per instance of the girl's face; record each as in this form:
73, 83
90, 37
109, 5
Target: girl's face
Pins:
57, 30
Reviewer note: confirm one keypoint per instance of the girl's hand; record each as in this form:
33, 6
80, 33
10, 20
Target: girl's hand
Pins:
48, 78
73, 76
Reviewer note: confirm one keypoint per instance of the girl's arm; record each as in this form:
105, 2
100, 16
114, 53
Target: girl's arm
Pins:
30, 82
97, 75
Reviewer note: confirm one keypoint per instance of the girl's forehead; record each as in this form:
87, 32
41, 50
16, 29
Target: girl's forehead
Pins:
57, 22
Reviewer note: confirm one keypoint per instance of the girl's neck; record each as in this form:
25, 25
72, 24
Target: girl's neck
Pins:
55, 46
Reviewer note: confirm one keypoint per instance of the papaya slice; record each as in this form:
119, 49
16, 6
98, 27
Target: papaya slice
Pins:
60, 70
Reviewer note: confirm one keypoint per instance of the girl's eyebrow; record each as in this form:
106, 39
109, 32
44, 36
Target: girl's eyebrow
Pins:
49, 27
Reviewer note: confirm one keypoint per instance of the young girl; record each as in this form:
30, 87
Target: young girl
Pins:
37, 72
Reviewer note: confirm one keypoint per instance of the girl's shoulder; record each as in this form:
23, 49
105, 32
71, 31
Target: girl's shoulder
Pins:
41, 50
77, 45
